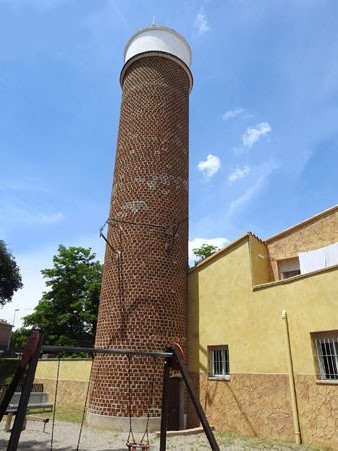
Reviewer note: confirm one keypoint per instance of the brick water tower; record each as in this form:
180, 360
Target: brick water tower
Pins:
143, 304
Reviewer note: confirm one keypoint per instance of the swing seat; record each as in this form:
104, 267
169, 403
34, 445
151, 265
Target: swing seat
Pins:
137, 446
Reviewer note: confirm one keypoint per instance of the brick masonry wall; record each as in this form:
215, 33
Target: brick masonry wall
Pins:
5, 331
144, 290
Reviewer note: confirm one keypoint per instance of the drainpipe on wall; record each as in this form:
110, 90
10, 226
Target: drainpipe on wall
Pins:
295, 415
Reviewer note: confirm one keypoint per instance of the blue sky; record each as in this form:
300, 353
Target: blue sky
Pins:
263, 119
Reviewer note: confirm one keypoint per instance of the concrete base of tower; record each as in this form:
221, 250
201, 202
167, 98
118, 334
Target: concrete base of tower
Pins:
122, 424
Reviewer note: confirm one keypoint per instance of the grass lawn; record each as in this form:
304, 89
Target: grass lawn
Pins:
70, 416
7, 370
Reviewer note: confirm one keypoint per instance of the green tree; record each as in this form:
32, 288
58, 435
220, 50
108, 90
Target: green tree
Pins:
19, 338
10, 278
67, 312
204, 251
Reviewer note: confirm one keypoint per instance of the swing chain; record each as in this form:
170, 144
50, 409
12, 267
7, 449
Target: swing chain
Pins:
151, 400
135, 446
131, 434
55, 399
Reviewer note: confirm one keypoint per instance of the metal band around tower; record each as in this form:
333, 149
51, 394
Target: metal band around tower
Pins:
159, 54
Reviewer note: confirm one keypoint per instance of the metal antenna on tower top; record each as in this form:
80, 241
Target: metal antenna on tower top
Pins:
153, 24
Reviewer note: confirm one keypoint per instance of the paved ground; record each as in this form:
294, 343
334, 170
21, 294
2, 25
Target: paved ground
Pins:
66, 436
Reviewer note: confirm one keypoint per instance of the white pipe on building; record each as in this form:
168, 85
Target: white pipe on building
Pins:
295, 414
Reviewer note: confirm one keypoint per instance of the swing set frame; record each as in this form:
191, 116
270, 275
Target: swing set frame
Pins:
173, 359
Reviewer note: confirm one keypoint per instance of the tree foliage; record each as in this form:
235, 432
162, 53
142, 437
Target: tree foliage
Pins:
67, 312
204, 251
19, 338
10, 278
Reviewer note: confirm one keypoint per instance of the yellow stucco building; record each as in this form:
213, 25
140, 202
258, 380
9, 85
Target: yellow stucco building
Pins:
263, 334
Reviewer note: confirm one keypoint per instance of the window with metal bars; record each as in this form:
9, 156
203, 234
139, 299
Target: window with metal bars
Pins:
219, 361
326, 346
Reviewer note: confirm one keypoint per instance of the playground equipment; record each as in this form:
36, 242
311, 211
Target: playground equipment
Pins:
173, 359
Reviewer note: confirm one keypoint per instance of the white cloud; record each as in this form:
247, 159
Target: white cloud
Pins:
263, 172
241, 201
100, 22
210, 166
238, 174
195, 243
30, 213
201, 23
38, 5
49, 219
27, 201
253, 134
231, 114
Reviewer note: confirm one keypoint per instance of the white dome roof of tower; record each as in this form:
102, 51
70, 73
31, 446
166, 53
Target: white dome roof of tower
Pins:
158, 39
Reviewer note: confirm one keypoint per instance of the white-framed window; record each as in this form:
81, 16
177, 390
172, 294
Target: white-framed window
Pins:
326, 354
219, 361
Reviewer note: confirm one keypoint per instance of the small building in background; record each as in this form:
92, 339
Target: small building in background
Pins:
5, 333
263, 334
